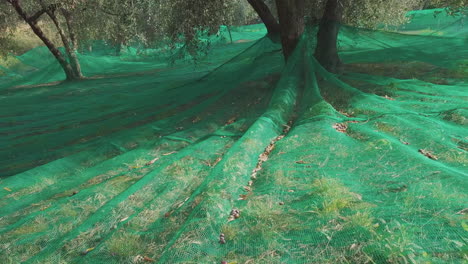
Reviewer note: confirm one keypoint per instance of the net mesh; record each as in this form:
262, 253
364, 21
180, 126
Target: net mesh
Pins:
242, 158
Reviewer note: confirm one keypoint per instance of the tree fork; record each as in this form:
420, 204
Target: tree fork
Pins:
266, 16
32, 22
75, 65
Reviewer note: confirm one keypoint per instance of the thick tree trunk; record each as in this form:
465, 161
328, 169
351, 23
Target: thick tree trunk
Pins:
32, 22
266, 16
291, 18
326, 51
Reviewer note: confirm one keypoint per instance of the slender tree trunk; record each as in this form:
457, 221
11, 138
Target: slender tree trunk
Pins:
229, 31
71, 53
32, 22
326, 51
266, 16
291, 18
73, 42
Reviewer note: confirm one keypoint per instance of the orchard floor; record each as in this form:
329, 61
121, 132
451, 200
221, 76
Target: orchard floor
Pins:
248, 161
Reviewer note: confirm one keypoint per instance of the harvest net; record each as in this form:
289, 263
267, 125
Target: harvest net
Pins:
242, 158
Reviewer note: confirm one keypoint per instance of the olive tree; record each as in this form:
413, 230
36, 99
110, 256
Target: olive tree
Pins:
62, 16
79, 21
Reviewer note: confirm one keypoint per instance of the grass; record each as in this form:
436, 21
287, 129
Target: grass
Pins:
125, 245
332, 197
387, 128
350, 213
39, 224
457, 118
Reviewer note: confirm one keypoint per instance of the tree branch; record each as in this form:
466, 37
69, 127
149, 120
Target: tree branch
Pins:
38, 14
265, 15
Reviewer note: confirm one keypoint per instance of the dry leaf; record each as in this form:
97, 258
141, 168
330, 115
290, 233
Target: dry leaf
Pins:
428, 154
263, 157
87, 251
7, 189
196, 119
340, 127
216, 161
404, 142
231, 120
152, 161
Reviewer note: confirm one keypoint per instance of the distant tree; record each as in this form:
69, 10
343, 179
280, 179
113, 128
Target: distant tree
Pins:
453, 7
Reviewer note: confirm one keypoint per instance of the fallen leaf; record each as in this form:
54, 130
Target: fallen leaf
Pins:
123, 219
148, 259
7, 189
170, 153
263, 157
231, 120
428, 154
345, 114
152, 161
196, 119
340, 127
216, 161
242, 197
87, 251
404, 142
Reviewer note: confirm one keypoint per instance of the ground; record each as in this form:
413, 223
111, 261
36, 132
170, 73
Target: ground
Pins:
287, 163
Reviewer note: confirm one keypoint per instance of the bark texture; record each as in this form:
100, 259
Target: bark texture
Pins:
326, 51
291, 18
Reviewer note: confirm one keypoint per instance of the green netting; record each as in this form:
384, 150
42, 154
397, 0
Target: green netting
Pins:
291, 164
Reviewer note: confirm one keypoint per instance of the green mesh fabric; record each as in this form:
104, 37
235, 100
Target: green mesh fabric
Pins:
290, 163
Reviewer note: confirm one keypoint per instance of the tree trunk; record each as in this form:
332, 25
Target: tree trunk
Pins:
71, 53
73, 42
229, 31
291, 18
326, 51
40, 34
266, 16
